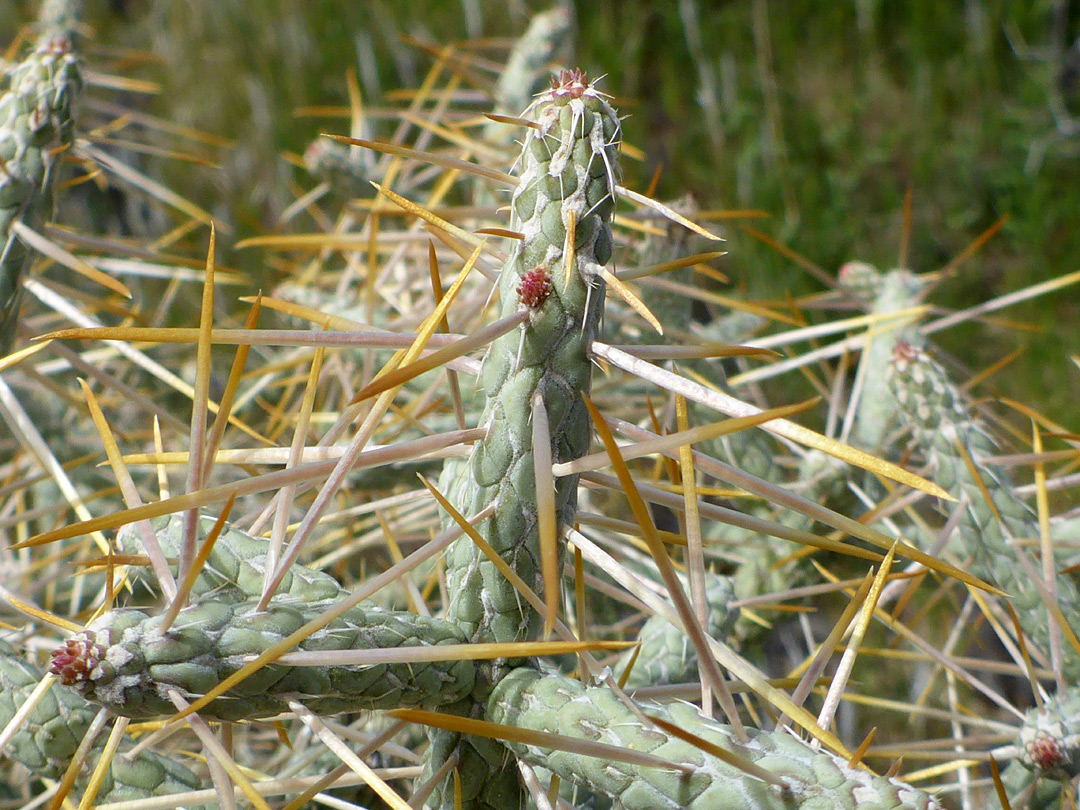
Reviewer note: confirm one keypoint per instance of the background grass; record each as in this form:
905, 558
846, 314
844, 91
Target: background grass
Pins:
822, 115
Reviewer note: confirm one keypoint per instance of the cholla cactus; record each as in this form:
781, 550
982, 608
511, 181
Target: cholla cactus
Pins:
1050, 738
956, 445
566, 191
52, 732
801, 778
562, 205
883, 294
135, 662
35, 120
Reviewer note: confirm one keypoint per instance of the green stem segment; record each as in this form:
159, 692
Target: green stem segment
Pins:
35, 119
936, 412
568, 174
124, 661
567, 185
812, 780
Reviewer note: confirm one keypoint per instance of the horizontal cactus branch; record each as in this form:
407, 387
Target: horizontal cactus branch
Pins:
803, 779
124, 661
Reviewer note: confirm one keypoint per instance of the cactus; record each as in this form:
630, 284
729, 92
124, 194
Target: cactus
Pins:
804, 778
946, 434
136, 658
566, 186
884, 294
35, 119
57, 724
125, 662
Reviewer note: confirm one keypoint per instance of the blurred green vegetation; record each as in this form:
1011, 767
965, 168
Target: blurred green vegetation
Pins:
820, 114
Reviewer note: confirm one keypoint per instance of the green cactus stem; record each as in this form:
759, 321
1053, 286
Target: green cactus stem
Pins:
569, 172
810, 779
35, 120
126, 662
937, 415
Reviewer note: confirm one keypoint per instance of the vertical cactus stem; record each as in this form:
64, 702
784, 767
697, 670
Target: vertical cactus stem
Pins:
956, 447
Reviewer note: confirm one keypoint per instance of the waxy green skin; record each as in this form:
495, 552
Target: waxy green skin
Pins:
35, 120
566, 170
138, 664
937, 415
884, 294
814, 780
568, 166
